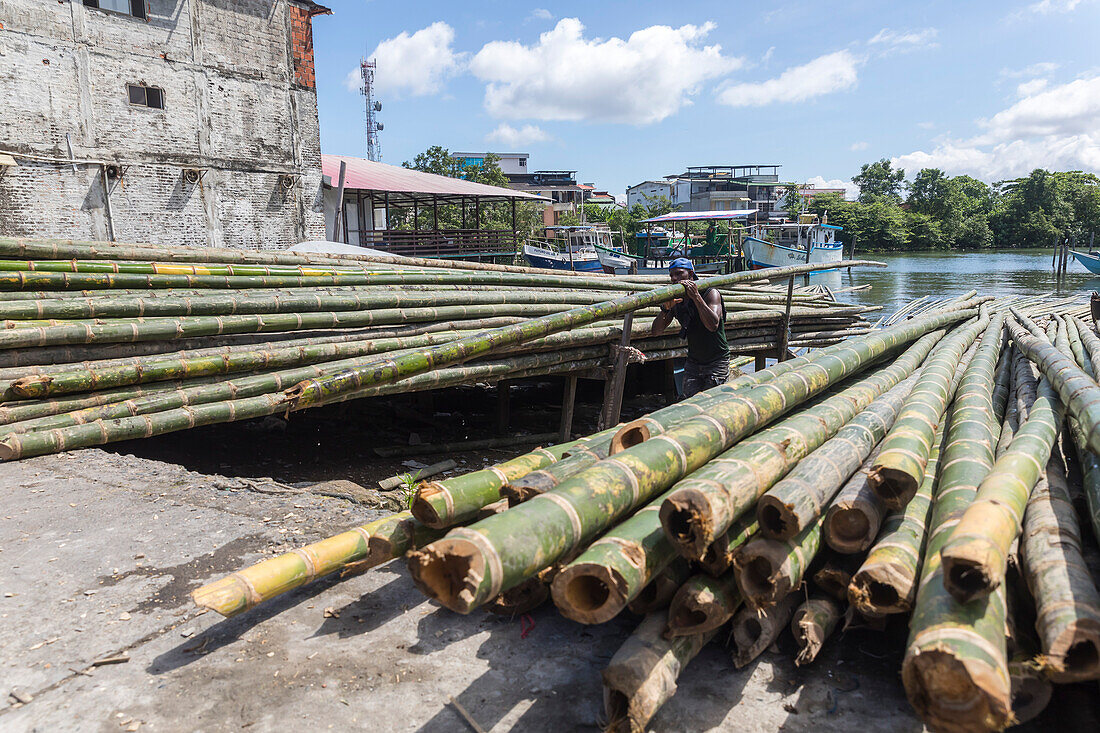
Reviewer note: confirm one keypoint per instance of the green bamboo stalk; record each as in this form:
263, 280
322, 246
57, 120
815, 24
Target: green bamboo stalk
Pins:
768, 570
522, 488
955, 670
898, 471
975, 556
886, 582
144, 329
800, 497
262, 302
720, 556
247, 588
319, 391
703, 603
659, 592
754, 631
502, 551
452, 501
168, 268
1079, 393
706, 503
266, 401
811, 624
641, 676
853, 518
1091, 344
1066, 600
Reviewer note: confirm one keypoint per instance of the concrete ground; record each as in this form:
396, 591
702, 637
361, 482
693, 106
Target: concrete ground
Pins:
99, 553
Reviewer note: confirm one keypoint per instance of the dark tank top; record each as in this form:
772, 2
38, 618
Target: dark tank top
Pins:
704, 345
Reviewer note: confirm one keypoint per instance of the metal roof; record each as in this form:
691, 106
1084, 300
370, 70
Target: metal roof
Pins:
700, 215
405, 186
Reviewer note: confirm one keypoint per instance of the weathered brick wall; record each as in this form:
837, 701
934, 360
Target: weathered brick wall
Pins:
236, 104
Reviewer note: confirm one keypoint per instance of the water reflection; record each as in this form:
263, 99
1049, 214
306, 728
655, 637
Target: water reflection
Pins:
941, 274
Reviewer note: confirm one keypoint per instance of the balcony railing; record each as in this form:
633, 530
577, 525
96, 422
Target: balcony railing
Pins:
456, 244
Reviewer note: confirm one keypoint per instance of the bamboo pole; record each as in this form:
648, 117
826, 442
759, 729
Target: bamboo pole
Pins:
800, 497
811, 624
719, 557
887, 580
641, 676
755, 631
704, 504
703, 603
853, 518
768, 570
955, 668
659, 592
897, 473
502, 551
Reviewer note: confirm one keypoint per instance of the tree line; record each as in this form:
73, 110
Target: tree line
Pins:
937, 211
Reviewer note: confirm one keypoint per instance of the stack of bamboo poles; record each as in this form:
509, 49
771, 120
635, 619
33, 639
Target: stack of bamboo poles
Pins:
101, 343
910, 472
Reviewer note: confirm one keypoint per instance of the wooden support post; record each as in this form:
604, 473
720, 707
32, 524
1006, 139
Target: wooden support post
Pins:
568, 402
515, 229
761, 362
784, 325
339, 215
504, 399
613, 387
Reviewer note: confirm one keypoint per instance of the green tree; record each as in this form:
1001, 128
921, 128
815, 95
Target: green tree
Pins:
879, 181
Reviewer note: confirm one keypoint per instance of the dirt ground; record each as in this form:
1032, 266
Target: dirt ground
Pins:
100, 550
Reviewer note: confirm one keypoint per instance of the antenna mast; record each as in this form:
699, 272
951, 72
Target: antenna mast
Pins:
374, 145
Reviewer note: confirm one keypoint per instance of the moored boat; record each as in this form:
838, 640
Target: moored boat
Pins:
792, 243
1090, 260
567, 248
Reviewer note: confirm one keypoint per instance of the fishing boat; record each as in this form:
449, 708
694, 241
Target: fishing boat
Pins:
617, 262
567, 248
1090, 260
806, 241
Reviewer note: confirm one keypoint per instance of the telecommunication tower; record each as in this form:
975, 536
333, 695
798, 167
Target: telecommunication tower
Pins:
374, 145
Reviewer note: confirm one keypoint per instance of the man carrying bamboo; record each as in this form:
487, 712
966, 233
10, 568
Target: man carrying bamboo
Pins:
702, 317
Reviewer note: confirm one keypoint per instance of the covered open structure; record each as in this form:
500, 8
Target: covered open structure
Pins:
401, 211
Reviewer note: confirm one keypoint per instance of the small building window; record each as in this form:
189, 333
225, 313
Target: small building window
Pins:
135, 8
143, 96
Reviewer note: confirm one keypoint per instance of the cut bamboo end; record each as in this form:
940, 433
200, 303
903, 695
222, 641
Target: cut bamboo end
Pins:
851, 530
589, 593
955, 694
882, 589
630, 435
967, 571
1074, 655
753, 631
895, 487
228, 596
696, 610
778, 520
686, 517
811, 625
449, 571
527, 487
1031, 693
32, 387
429, 505
659, 592
759, 573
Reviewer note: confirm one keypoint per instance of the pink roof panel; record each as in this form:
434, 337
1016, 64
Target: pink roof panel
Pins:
369, 175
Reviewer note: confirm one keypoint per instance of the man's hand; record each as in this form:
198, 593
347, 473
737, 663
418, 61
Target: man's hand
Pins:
670, 304
692, 292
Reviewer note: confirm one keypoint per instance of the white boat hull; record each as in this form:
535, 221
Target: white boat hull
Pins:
760, 254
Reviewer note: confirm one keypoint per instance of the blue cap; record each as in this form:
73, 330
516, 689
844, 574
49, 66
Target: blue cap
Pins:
682, 262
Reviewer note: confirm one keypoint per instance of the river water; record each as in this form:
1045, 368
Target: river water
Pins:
945, 274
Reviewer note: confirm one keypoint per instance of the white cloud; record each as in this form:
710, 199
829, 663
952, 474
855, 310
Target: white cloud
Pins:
927, 125
414, 64
1028, 88
565, 76
851, 190
767, 55
541, 14
1053, 128
889, 40
510, 137
861, 145
832, 72
1046, 7
1040, 69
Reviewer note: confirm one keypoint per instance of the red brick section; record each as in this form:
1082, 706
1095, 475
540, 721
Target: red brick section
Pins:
301, 45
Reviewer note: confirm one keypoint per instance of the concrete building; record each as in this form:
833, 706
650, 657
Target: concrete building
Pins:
644, 192
725, 188
511, 164
175, 122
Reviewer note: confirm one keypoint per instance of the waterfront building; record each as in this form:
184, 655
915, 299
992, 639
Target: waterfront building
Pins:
174, 122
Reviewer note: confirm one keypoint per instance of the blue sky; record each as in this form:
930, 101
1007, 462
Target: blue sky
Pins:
627, 91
